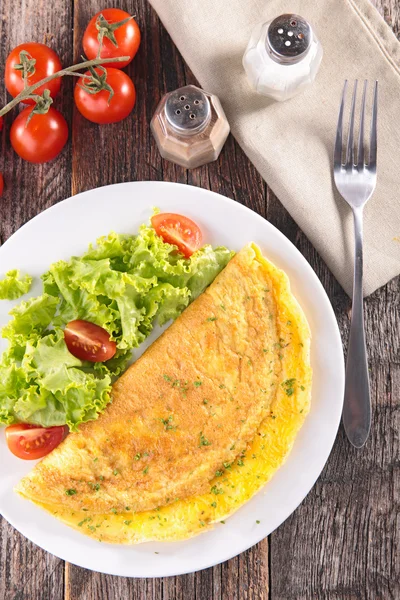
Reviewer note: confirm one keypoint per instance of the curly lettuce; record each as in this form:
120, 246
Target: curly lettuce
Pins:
14, 286
125, 284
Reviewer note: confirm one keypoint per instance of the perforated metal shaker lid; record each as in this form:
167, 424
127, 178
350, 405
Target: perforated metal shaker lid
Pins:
288, 38
188, 110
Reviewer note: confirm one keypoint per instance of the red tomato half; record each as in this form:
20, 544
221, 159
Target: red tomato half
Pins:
127, 36
32, 441
42, 139
1, 123
88, 341
47, 63
1, 183
98, 108
178, 230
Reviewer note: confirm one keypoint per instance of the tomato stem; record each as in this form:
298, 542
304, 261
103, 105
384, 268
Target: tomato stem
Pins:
25, 93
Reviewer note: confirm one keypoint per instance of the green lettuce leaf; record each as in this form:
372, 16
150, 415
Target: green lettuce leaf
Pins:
13, 286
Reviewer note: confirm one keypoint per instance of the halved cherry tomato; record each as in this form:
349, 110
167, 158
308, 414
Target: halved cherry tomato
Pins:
40, 140
88, 341
47, 63
32, 441
127, 37
1, 123
99, 108
1, 183
178, 230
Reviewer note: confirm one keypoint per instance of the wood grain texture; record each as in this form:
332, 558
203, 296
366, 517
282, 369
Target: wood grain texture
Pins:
343, 541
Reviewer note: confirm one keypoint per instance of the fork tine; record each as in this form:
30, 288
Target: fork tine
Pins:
350, 139
361, 152
337, 157
373, 140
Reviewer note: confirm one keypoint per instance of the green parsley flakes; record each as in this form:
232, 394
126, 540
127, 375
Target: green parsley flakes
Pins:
288, 386
137, 456
216, 490
168, 426
203, 440
146, 470
212, 319
197, 383
70, 492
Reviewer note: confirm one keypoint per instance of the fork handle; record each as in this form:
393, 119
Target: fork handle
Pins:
357, 401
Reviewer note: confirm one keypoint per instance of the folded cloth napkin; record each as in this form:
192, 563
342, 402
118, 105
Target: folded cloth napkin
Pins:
291, 143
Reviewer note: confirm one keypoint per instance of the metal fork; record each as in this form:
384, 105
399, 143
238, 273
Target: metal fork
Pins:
356, 182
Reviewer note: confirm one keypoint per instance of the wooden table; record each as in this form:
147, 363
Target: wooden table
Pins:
340, 544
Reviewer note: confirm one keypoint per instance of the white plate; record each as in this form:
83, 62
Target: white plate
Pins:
65, 230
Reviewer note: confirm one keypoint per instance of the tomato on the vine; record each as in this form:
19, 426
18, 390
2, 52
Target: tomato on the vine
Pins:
47, 63
42, 138
103, 107
127, 37
33, 441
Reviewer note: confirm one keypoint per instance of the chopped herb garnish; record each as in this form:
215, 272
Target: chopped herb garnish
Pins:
221, 386
223, 522
212, 319
70, 492
240, 463
213, 504
84, 521
197, 383
115, 472
218, 473
222, 306
289, 323
227, 465
94, 486
114, 511
249, 362
258, 522
138, 456
265, 349
127, 522
202, 523
127, 508
168, 423
167, 377
302, 388
146, 470
216, 490
288, 386
95, 459
205, 401
203, 440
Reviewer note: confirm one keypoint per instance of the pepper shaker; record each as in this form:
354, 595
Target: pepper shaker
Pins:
282, 57
190, 127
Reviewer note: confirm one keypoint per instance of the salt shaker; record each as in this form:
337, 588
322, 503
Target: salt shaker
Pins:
282, 57
190, 127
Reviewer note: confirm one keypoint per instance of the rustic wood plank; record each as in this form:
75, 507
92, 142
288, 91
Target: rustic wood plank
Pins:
26, 571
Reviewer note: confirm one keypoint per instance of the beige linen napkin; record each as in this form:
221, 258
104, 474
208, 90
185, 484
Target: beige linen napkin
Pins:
291, 143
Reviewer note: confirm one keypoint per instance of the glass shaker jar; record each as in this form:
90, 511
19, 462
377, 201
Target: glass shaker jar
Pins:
190, 127
282, 57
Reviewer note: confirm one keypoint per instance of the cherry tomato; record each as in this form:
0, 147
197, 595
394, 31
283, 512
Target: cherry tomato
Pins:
178, 230
47, 63
88, 341
1, 183
32, 441
1, 123
42, 139
127, 36
99, 108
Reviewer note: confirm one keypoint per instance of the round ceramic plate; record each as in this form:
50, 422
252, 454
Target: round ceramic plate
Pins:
65, 230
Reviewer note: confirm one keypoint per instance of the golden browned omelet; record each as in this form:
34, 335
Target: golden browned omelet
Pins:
197, 424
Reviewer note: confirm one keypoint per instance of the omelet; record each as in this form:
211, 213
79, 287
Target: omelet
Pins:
198, 424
